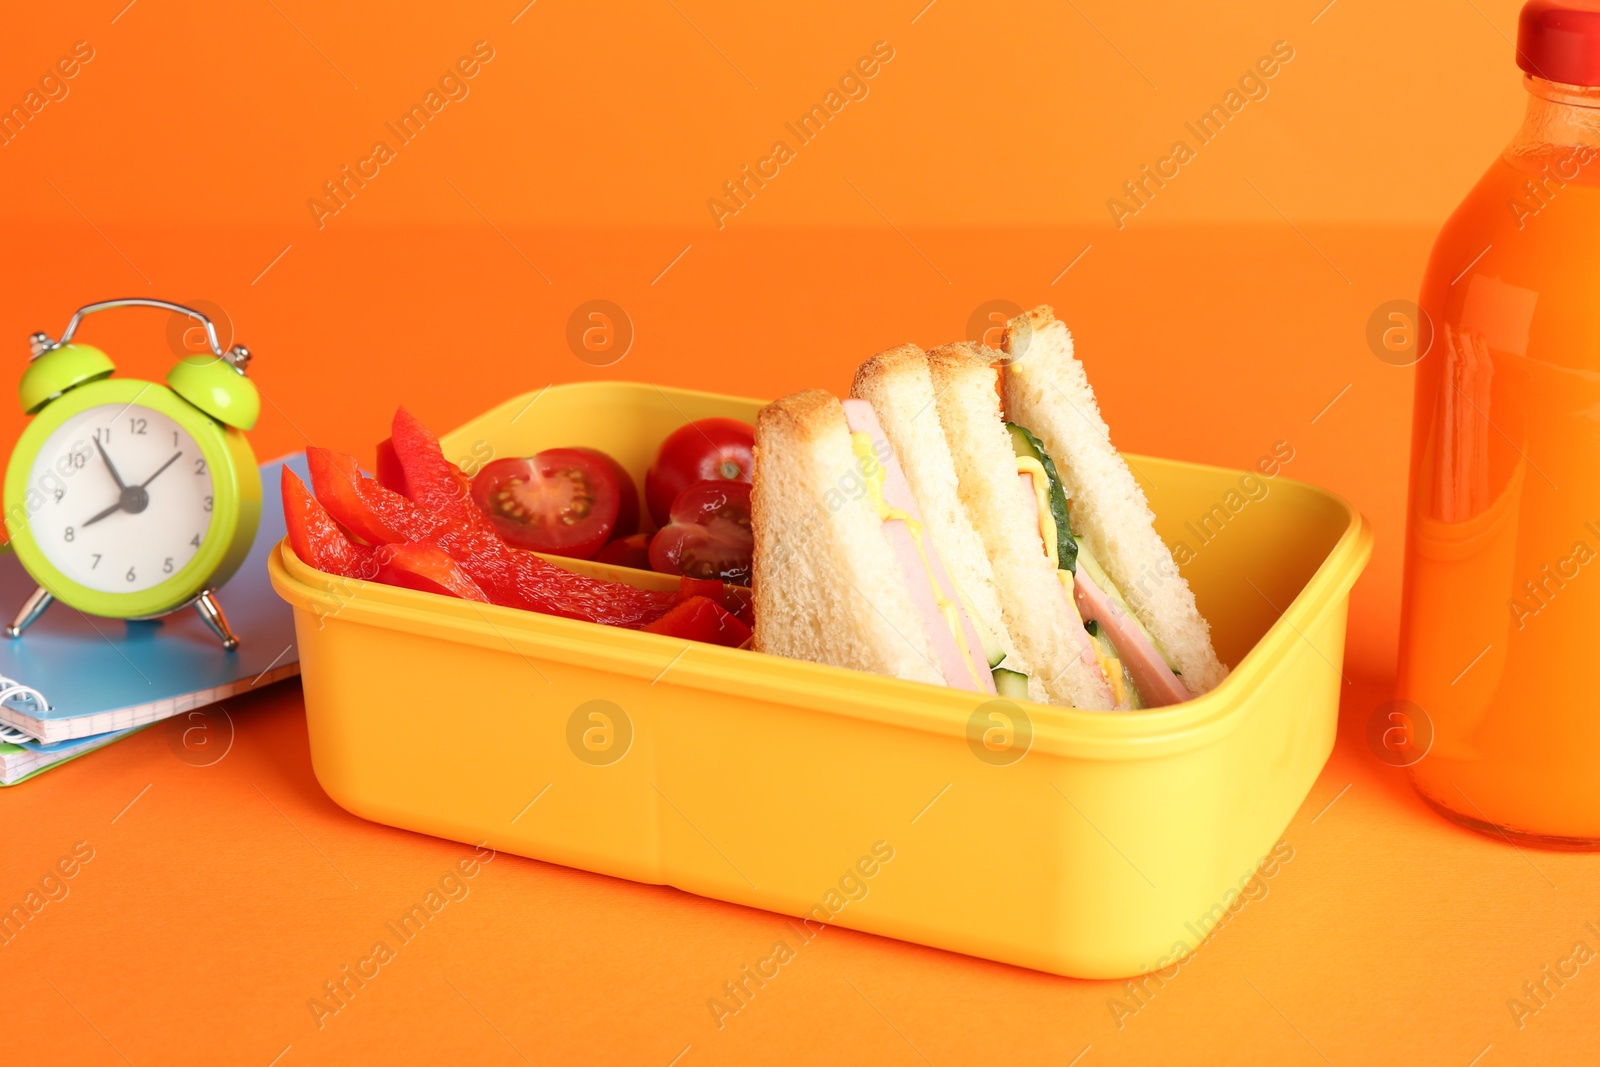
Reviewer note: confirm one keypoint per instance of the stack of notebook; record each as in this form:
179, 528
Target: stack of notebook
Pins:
74, 683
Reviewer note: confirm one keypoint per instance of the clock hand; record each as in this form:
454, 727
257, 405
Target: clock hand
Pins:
109, 465
176, 456
112, 510
133, 498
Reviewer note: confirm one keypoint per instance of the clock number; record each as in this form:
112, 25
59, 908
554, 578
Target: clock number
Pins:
103, 435
96, 562
208, 503
138, 426
69, 535
78, 460
195, 541
130, 576
166, 568
174, 438
59, 494
199, 466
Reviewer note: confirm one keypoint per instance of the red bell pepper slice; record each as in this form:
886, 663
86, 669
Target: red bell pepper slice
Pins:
316, 539
709, 588
735, 599
390, 474
319, 542
433, 481
428, 568
377, 515
699, 618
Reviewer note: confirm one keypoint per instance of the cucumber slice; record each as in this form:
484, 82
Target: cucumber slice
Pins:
991, 645
1013, 685
1024, 443
991, 648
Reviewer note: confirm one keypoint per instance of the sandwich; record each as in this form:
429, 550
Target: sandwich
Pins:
845, 570
918, 531
1126, 580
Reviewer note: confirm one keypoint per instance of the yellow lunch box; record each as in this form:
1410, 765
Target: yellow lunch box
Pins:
1090, 844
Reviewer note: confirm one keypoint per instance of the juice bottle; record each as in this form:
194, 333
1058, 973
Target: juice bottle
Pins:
1500, 627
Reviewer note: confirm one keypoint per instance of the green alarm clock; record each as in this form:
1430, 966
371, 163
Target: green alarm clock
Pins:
130, 499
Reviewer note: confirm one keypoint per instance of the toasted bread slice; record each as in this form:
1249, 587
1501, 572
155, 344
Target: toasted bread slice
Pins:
1047, 390
1040, 619
827, 586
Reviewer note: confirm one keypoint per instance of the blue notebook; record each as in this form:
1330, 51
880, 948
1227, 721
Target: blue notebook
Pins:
101, 675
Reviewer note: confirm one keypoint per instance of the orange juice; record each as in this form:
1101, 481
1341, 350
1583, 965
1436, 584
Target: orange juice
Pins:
1501, 616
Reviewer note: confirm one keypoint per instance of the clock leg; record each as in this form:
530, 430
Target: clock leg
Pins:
211, 611
32, 608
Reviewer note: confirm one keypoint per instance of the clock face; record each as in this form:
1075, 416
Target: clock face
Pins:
127, 498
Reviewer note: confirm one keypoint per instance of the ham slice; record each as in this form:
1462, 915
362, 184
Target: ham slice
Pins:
1151, 675
922, 577
1156, 683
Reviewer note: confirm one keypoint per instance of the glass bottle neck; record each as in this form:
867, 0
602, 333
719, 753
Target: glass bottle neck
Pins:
1561, 121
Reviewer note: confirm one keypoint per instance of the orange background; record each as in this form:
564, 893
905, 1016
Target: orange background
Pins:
1225, 317
636, 113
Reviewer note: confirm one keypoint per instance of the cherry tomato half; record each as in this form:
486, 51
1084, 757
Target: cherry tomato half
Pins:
563, 500
628, 508
630, 551
708, 450
708, 535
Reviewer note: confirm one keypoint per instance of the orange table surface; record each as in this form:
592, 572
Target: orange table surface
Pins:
219, 899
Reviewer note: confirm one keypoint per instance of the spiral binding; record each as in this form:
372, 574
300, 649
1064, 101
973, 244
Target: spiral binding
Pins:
23, 698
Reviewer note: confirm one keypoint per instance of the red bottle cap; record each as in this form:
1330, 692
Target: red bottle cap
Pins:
1559, 41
